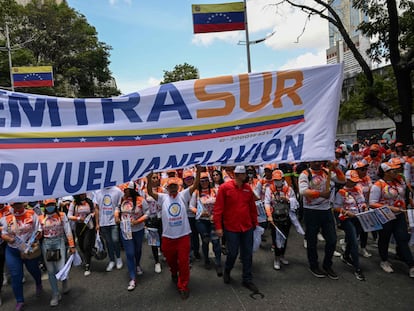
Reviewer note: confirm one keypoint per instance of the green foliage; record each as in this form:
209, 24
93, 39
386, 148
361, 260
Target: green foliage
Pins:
384, 88
57, 35
179, 73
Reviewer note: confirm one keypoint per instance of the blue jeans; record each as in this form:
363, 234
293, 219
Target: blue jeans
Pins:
244, 240
133, 251
53, 267
195, 241
207, 232
15, 266
314, 221
111, 236
352, 230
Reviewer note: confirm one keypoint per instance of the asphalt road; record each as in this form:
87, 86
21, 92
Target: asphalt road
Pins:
291, 288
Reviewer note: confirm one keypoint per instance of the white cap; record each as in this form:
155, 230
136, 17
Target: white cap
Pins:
131, 185
240, 169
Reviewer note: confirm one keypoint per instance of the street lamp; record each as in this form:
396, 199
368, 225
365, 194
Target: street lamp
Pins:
248, 43
8, 49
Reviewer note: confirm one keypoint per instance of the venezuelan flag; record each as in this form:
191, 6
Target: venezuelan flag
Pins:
32, 76
218, 17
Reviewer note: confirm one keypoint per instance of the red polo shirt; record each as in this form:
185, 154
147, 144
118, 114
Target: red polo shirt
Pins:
235, 208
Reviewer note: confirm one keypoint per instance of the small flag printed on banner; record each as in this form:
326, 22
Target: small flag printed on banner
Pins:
218, 17
32, 76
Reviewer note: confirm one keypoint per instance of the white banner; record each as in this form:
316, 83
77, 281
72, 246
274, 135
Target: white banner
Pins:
51, 147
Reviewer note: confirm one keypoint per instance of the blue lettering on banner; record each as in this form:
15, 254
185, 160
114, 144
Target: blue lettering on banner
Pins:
109, 105
83, 176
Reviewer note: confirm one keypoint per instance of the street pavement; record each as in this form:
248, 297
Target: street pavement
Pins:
291, 288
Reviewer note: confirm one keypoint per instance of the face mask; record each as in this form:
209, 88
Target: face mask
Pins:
278, 183
250, 175
50, 209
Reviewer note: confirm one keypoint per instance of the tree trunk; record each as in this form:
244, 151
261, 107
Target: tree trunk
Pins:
404, 126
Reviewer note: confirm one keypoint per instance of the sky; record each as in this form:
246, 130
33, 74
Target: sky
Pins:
149, 37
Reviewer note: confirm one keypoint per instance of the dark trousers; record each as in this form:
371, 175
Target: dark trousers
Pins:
86, 240
352, 228
2, 262
316, 220
244, 241
398, 228
195, 241
284, 227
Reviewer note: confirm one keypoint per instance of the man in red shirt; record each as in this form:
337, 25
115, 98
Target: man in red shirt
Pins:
235, 213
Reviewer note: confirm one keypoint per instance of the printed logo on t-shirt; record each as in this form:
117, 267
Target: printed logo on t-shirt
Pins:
176, 219
107, 200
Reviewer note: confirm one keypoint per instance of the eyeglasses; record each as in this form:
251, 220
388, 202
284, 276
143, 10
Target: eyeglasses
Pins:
216, 175
204, 180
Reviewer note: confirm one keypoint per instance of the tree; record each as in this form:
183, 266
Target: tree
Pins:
180, 73
57, 35
392, 22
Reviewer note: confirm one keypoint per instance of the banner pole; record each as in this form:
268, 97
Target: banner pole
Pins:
249, 69
10, 58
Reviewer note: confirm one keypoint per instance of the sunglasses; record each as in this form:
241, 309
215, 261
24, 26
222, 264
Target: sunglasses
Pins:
204, 180
216, 175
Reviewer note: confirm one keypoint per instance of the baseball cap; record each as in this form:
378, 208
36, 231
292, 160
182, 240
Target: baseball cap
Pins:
359, 164
397, 161
386, 166
131, 185
173, 181
277, 175
67, 198
268, 167
399, 144
338, 150
49, 201
240, 169
352, 175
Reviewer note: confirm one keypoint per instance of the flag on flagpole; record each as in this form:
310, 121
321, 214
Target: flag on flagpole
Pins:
32, 76
218, 17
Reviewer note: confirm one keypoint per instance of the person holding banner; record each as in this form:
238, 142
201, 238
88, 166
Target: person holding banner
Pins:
235, 216
350, 201
82, 211
277, 203
21, 230
388, 191
132, 215
315, 184
56, 230
365, 183
154, 218
202, 203
176, 228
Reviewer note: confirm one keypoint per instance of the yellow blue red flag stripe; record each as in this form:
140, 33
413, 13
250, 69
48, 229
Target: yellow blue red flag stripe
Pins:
38, 76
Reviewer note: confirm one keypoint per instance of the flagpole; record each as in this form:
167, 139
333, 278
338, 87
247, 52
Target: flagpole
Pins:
10, 59
249, 68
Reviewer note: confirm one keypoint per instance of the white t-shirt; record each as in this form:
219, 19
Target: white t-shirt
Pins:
108, 199
174, 214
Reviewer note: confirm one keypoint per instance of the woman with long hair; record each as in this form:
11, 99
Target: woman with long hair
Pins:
132, 214
82, 212
56, 231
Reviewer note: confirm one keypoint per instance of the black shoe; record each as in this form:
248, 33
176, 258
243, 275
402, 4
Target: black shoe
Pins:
207, 265
250, 285
197, 256
317, 272
219, 271
226, 277
347, 260
174, 278
184, 294
331, 274
359, 276
223, 250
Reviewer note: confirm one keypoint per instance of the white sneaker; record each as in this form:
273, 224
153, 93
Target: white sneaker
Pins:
119, 263
411, 274
337, 254
342, 241
87, 273
55, 300
284, 261
4, 279
157, 268
320, 237
276, 264
110, 266
131, 285
305, 244
139, 270
365, 253
385, 265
